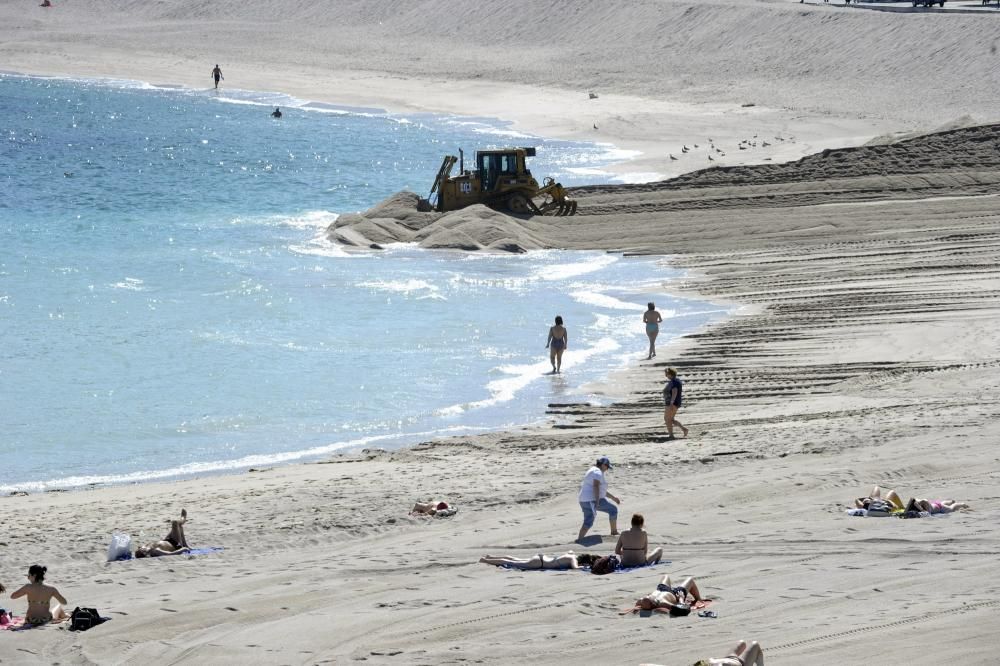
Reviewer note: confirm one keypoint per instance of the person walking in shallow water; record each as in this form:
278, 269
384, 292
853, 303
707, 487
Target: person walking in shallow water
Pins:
217, 75
652, 319
672, 397
557, 343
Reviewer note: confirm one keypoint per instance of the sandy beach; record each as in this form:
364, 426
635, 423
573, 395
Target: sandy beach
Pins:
862, 350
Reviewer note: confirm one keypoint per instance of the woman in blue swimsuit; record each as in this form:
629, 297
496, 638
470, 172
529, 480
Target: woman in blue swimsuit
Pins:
557, 343
652, 319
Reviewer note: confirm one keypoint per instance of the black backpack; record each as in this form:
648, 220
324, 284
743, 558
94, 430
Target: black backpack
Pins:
83, 619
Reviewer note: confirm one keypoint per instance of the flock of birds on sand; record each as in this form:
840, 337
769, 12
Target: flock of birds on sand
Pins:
714, 151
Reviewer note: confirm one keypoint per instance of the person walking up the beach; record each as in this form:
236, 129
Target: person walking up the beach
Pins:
557, 343
672, 397
217, 75
652, 319
594, 497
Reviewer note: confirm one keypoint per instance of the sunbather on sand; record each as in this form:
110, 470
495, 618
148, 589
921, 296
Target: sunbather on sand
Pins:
935, 506
568, 560
676, 600
428, 508
633, 545
40, 596
175, 543
877, 493
742, 655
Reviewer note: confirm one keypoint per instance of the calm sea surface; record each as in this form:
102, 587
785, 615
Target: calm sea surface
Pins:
169, 306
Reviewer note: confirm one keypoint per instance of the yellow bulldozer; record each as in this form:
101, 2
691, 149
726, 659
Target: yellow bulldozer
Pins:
500, 180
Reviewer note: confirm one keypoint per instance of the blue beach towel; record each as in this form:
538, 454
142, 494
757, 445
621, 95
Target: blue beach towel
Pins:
205, 551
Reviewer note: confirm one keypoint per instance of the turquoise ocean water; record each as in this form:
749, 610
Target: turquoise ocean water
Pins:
169, 305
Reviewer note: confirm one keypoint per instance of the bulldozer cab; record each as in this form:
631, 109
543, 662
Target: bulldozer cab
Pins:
493, 165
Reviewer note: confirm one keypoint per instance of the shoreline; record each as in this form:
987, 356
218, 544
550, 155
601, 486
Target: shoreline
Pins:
560, 115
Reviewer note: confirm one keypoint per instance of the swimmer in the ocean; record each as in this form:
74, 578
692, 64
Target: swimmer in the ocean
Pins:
276, 113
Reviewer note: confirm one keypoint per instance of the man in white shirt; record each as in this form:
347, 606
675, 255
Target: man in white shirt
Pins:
594, 497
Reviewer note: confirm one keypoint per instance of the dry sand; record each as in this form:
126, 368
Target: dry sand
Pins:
865, 352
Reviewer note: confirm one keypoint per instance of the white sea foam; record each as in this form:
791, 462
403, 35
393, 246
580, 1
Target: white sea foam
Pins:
565, 271
313, 219
129, 284
601, 300
404, 287
321, 247
518, 376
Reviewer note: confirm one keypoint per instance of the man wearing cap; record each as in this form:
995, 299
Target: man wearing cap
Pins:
594, 497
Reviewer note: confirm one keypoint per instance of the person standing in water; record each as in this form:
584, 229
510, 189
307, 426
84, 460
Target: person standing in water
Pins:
652, 320
557, 343
672, 397
217, 75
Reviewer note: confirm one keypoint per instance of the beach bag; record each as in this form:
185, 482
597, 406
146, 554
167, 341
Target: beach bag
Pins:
680, 610
604, 565
120, 547
880, 507
83, 619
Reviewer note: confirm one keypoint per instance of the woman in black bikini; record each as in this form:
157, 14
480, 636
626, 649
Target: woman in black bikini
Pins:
557, 343
674, 599
568, 560
633, 545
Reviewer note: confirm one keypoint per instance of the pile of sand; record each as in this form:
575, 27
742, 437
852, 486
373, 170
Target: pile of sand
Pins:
398, 220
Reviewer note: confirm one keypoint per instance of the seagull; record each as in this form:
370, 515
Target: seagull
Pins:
742, 147
684, 149
673, 158
696, 145
595, 125
765, 144
711, 159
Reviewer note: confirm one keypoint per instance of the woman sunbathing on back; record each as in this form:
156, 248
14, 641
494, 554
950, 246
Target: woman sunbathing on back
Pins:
175, 543
742, 655
568, 560
40, 598
669, 598
877, 495
935, 506
429, 508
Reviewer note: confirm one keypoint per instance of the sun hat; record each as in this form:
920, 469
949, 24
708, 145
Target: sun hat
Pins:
603, 460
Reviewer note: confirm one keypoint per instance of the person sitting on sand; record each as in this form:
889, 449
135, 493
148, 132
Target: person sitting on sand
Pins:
742, 655
175, 543
670, 598
633, 545
428, 508
935, 506
876, 496
40, 596
568, 560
